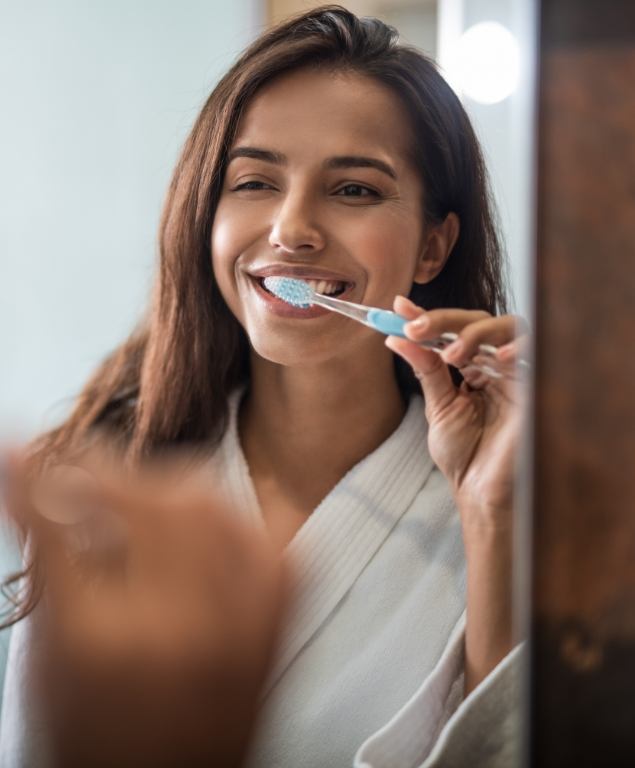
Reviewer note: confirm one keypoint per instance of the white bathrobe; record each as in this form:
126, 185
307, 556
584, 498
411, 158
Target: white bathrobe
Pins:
369, 672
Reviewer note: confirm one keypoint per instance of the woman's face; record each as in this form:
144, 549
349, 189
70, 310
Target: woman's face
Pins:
319, 186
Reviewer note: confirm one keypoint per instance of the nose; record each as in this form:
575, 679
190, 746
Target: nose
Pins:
295, 229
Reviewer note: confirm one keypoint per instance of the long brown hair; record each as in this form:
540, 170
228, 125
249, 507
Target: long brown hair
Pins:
168, 384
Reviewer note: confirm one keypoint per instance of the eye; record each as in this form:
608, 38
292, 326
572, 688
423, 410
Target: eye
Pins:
251, 186
357, 190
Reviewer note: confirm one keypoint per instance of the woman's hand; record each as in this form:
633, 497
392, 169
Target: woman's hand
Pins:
474, 435
474, 429
161, 612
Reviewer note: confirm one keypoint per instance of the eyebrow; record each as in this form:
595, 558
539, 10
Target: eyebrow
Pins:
267, 155
341, 161
358, 161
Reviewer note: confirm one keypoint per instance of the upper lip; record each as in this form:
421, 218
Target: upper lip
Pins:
299, 272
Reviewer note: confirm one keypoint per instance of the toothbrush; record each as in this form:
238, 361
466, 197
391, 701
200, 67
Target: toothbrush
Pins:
299, 294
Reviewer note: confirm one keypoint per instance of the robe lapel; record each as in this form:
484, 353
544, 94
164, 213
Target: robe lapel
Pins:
230, 471
344, 532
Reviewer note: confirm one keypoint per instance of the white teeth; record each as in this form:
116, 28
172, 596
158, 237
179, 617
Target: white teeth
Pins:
320, 286
324, 286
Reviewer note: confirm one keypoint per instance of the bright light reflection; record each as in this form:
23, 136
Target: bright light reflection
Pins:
487, 63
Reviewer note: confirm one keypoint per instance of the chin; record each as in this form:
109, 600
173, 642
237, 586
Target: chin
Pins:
295, 350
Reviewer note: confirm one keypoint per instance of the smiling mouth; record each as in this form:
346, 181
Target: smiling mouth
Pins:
324, 287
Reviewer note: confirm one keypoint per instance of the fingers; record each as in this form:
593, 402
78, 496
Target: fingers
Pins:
65, 494
407, 308
436, 382
488, 350
475, 378
173, 529
473, 328
489, 332
516, 351
493, 340
434, 376
45, 537
432, 324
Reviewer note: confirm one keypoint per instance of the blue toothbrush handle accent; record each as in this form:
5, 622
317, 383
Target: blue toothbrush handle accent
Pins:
385, 321
392, 324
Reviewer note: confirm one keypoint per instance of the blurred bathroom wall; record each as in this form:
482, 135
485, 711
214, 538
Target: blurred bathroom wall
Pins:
96, 100
506, 128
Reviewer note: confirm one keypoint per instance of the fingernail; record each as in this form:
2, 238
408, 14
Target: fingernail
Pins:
505, 351
420, 323
393, 344
454, 349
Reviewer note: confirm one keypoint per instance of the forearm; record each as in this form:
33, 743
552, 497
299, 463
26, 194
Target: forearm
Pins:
488, 636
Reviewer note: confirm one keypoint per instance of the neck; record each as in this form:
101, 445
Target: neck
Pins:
307, 427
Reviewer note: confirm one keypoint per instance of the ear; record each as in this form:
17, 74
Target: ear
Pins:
439, 242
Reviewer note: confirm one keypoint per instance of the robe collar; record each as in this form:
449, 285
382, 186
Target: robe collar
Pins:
347, 528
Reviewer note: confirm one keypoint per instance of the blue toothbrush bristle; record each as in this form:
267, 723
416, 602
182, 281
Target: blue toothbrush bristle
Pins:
295, 292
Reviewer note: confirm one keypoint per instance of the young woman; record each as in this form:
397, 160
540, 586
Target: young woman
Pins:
331, 153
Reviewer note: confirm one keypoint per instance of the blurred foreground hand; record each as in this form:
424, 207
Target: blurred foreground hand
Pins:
160, 613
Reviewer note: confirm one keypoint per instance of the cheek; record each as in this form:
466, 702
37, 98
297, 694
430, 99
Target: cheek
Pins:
223, 243
226, 246
388, 251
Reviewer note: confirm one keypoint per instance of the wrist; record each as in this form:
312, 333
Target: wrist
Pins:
484, 520
488, 543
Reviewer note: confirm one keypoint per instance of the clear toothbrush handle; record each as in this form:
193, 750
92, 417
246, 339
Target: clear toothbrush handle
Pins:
484, 361
390, 323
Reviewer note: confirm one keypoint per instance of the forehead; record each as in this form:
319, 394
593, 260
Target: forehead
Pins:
320, 112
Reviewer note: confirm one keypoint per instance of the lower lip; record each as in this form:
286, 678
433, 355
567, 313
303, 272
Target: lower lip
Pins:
283, 309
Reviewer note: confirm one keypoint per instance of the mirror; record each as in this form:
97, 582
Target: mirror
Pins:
101, 103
